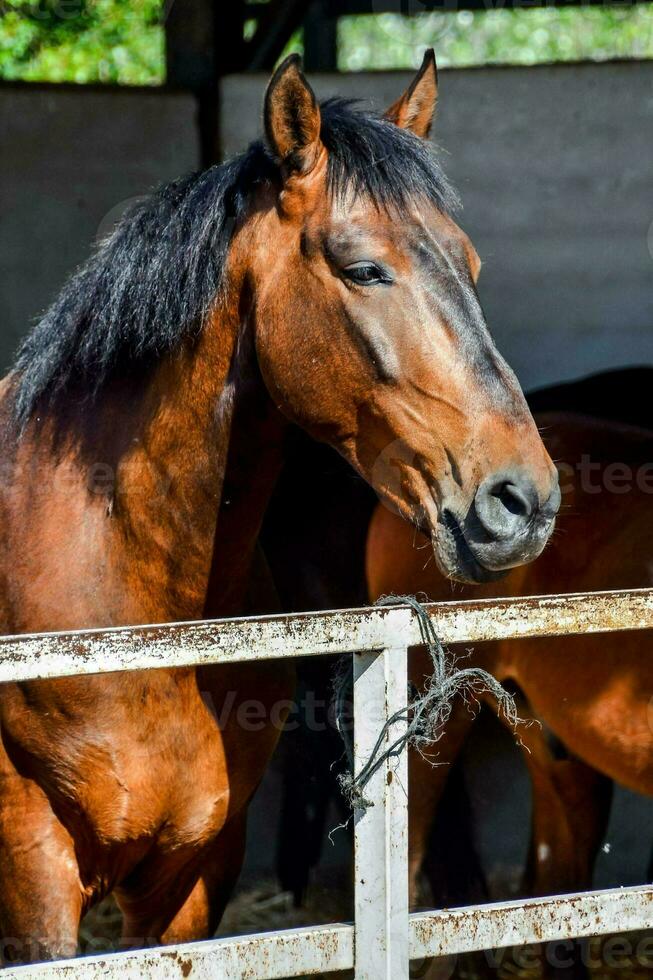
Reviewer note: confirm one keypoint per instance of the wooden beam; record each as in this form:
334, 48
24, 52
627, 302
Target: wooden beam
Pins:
278, 22
410, 7
204, 40
321, 37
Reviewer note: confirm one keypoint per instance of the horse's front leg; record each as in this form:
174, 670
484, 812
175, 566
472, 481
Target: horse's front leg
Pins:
427, 779
41, 894
163, 903
571, 808
200, 915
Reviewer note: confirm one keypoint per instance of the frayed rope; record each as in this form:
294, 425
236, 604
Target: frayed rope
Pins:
425, 714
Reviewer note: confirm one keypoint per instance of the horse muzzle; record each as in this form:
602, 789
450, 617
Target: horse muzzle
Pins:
507, 525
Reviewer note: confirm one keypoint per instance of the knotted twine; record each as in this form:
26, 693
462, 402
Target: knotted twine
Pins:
425, 714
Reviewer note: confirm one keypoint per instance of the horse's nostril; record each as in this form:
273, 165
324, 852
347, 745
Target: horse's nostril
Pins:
505, 503
513, 499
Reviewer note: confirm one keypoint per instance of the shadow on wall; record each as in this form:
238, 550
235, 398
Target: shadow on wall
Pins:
69, 158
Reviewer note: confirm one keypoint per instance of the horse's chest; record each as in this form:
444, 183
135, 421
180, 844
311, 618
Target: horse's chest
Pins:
172, 786
126, 762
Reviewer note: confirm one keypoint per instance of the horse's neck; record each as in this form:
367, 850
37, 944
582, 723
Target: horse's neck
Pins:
169, 485
115, 516
256, 451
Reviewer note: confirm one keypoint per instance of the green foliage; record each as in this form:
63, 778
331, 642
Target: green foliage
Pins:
518, 37
122, 41
82, 41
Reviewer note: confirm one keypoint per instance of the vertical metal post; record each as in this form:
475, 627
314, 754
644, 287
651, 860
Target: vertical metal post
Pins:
381, 829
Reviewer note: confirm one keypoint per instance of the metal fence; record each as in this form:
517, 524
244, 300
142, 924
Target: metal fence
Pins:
384, 937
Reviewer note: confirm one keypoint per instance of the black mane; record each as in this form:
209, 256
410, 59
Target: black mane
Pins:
149, 286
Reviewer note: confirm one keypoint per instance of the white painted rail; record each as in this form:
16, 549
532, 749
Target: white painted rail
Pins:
33, 656
384, 937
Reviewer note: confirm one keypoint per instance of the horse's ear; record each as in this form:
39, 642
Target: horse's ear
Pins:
416, 107
292, 117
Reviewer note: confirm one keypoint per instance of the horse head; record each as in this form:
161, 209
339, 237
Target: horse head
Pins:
370, 334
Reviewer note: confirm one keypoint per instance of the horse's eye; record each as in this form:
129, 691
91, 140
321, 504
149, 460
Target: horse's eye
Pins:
365, 274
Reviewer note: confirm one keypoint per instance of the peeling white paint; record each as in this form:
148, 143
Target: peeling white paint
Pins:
535, 920
272, 955
42, 655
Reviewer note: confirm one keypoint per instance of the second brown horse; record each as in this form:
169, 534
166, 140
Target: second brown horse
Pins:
594, 692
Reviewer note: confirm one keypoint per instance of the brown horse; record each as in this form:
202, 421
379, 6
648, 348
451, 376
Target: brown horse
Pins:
593, 692
318, 280
319, 564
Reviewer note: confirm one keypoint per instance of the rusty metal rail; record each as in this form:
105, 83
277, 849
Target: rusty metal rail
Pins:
33, 656
330, 948
383, 938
